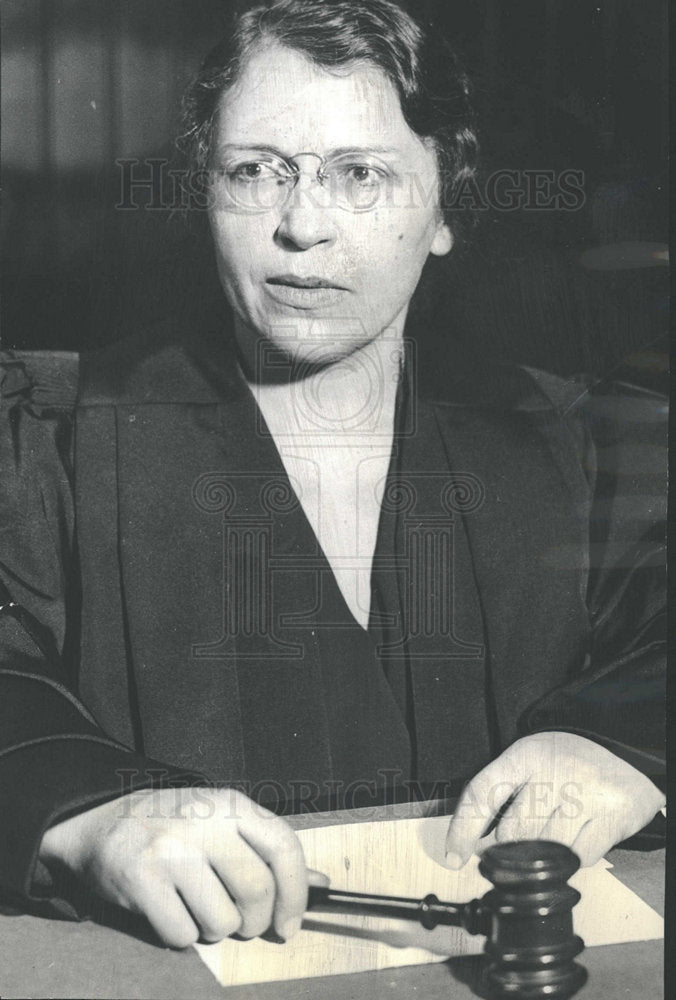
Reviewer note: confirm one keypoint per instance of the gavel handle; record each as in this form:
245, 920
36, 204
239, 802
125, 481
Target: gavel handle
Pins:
430, 912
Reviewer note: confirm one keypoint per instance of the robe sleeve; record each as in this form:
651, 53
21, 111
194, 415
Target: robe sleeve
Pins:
54, 758
617, 696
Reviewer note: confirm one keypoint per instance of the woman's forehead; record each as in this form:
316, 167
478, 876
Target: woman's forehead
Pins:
282, 99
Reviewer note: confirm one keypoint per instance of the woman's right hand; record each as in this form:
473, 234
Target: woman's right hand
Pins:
199, 864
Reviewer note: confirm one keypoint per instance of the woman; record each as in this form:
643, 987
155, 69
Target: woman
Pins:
288, 567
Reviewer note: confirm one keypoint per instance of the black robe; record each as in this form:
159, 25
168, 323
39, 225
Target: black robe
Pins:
178, 622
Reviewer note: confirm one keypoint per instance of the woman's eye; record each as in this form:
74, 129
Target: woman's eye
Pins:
253, 171
363, 174
247, 171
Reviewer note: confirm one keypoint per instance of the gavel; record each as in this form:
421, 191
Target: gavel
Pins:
526, 918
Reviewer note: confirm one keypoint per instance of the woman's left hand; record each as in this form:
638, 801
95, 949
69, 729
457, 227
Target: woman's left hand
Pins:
563, 787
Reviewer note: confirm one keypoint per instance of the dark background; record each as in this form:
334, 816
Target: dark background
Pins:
560, 84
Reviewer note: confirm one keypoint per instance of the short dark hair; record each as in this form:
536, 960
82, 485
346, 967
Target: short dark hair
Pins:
433, 88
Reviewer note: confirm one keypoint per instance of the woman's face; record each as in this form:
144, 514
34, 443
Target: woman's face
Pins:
308, 274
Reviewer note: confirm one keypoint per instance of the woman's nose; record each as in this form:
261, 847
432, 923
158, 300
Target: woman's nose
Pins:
307, 216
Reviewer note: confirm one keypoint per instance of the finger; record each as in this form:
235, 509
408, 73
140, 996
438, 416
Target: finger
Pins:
209, 903
166, 913
278, 845
525, 816
318, 879
249, 882
485, 842
564, 827
594, 841
485, 794
535, 806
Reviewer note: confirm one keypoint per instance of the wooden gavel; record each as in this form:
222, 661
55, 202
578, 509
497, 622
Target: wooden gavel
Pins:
526, 918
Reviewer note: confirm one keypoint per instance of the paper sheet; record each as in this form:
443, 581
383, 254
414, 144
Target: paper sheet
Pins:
403, 858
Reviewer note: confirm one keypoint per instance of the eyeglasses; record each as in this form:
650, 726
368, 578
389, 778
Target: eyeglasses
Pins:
256, 181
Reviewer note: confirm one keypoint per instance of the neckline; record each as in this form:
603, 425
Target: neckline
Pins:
353, 398
385, 530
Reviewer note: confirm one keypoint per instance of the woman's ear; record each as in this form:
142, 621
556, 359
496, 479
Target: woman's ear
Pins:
443, 240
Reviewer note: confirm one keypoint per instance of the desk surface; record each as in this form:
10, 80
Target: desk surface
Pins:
42, 957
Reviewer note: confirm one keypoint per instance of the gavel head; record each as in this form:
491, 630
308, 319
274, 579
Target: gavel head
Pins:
531, 944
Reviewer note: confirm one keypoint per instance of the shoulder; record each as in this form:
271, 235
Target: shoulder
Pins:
39, 392
520, 422
161, 365
634, 391
40, 382
496, 389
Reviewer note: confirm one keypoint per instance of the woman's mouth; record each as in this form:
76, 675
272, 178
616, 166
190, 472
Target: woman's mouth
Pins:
308, 292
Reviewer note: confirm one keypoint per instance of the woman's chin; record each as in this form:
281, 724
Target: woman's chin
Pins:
320, 342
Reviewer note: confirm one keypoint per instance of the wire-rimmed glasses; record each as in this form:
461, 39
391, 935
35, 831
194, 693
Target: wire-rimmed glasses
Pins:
256, 181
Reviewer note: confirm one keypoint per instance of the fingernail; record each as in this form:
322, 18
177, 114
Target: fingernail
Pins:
454, 860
